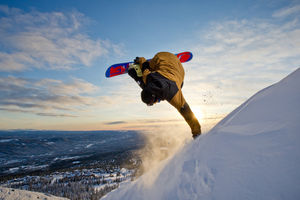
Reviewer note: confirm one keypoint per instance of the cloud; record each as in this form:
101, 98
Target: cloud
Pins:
48, 114
46, 97
235, 58
284, 12
52, 40
115, 122
55, 115
251, 44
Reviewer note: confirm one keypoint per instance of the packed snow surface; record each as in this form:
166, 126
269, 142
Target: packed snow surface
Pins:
253, 153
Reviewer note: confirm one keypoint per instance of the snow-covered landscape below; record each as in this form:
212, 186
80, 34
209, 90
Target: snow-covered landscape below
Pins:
15, 194
253, 153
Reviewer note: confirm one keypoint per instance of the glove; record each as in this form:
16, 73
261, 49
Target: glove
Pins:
136, 68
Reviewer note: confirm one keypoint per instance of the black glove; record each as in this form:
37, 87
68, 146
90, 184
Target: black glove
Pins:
132, 73
139, 80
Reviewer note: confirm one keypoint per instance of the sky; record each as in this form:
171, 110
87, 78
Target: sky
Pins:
54, 54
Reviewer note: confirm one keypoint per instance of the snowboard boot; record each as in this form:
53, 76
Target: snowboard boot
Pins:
196, 130
196, 135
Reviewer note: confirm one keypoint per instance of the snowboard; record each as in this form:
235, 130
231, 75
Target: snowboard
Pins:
122, 68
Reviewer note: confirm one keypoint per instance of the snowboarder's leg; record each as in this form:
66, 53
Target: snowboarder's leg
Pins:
191, 119
181, 105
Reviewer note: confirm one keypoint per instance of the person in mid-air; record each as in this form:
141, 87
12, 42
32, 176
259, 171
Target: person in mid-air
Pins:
162, 78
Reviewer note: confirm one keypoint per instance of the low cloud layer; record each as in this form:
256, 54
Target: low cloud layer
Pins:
45, 97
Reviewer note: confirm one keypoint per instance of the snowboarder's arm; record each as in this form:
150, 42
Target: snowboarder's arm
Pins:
147, 66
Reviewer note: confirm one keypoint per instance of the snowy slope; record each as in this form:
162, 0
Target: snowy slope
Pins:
253, 153
14, 194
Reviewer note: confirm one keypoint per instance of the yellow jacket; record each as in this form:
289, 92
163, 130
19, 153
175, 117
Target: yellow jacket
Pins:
170, 67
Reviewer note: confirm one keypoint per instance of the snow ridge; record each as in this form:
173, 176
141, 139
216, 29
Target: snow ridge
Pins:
253, 153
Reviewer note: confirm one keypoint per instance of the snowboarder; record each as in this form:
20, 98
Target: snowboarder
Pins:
161, 78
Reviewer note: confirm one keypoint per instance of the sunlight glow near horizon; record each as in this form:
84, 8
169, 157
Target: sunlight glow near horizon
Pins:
198, 113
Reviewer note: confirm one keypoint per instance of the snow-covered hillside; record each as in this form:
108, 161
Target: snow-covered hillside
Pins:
253, 153
14, 194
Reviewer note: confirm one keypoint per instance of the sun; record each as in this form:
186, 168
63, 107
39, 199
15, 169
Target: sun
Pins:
198, 113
